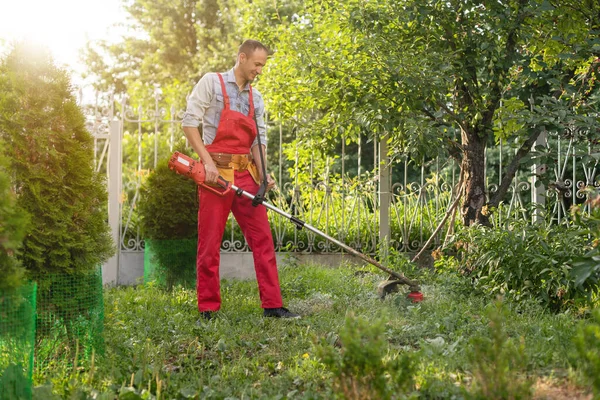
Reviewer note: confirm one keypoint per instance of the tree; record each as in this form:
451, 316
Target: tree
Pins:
50, 157
172, 45
431, 76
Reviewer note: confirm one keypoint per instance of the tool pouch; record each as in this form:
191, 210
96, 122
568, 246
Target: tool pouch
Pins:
226, 173
228, 163
224, 166
253, 169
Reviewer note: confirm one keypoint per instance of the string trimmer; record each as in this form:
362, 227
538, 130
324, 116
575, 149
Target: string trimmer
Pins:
193, 169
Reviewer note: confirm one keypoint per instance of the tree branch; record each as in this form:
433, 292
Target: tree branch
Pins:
455, 149
452, 115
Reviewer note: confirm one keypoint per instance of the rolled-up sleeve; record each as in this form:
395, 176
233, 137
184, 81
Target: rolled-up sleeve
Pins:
198, 102
260, 121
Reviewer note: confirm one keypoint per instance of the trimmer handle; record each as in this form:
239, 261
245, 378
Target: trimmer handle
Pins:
226, 185
194, 169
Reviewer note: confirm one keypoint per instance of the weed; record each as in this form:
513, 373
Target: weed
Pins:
498, 361
363, 368
588, 349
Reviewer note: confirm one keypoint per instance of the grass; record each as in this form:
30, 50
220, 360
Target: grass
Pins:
157, 348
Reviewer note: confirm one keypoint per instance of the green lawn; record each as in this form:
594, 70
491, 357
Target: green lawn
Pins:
348, 342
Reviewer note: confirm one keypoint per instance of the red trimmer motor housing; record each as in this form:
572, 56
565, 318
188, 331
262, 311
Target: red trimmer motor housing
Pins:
188, 167
194, 170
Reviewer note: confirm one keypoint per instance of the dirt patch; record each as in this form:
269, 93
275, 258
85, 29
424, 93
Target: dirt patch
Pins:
549, 389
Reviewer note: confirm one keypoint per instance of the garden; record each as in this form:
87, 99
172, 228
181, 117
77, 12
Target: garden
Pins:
455, 142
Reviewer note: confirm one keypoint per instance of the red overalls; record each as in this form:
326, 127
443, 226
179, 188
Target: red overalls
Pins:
235, 134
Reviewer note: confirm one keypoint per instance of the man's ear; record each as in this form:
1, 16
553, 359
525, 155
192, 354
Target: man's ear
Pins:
243, 57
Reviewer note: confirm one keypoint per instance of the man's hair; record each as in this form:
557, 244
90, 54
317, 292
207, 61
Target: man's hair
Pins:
250, 46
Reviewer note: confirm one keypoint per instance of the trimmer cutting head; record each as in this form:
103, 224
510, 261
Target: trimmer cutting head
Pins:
387, 287
393, 286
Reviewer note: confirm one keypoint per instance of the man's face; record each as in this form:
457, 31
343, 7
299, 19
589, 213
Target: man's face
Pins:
252, 65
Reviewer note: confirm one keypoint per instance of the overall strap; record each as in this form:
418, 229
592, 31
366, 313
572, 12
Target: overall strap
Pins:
251, 101
224, 90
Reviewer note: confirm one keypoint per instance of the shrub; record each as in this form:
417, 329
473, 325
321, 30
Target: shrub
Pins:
170, 262
361, 368
17, 341
168, 210
168, 205
588, 349
498, 362
51, 163
525, 261
50, 159
586, 271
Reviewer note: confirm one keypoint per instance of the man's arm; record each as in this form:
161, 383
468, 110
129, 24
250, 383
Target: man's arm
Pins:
197, 103
193, 136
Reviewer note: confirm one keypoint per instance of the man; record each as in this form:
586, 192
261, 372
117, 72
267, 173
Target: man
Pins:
230, 111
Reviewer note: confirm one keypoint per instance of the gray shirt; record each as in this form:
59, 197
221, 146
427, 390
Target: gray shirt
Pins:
205, 104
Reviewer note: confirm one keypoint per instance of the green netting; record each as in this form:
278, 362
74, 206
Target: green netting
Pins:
70, 316
17, 342
170, 262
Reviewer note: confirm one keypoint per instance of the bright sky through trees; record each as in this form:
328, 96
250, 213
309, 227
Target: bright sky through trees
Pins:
63, 26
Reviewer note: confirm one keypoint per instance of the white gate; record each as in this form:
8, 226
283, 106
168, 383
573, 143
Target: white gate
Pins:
115, 124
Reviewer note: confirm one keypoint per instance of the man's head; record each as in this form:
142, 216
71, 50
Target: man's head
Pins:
252, 57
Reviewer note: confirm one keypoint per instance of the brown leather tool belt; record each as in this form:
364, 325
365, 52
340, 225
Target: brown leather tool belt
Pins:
237, 162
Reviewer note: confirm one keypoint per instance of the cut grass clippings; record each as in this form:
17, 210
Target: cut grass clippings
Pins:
157, 347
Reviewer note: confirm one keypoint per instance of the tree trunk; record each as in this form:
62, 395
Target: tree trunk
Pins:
473, 169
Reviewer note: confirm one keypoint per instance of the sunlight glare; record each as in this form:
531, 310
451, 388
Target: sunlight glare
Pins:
63, 26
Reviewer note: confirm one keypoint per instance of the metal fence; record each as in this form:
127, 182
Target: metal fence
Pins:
400, 201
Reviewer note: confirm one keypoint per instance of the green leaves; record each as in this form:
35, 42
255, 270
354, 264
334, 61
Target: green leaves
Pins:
585, 268
536, 262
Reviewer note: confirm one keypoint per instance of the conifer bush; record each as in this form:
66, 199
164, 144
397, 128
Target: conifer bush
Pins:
13, 225
17, 300
169, 220
51, 160
51, 168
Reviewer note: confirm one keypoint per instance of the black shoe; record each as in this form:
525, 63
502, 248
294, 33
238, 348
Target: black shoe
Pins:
207, 315
280, 313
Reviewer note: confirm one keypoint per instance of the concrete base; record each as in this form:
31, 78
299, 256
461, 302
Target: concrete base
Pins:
233, 265
131, 268
241, 265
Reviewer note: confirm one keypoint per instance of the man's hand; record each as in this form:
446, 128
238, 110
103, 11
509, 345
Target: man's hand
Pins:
212, 173
270, 182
